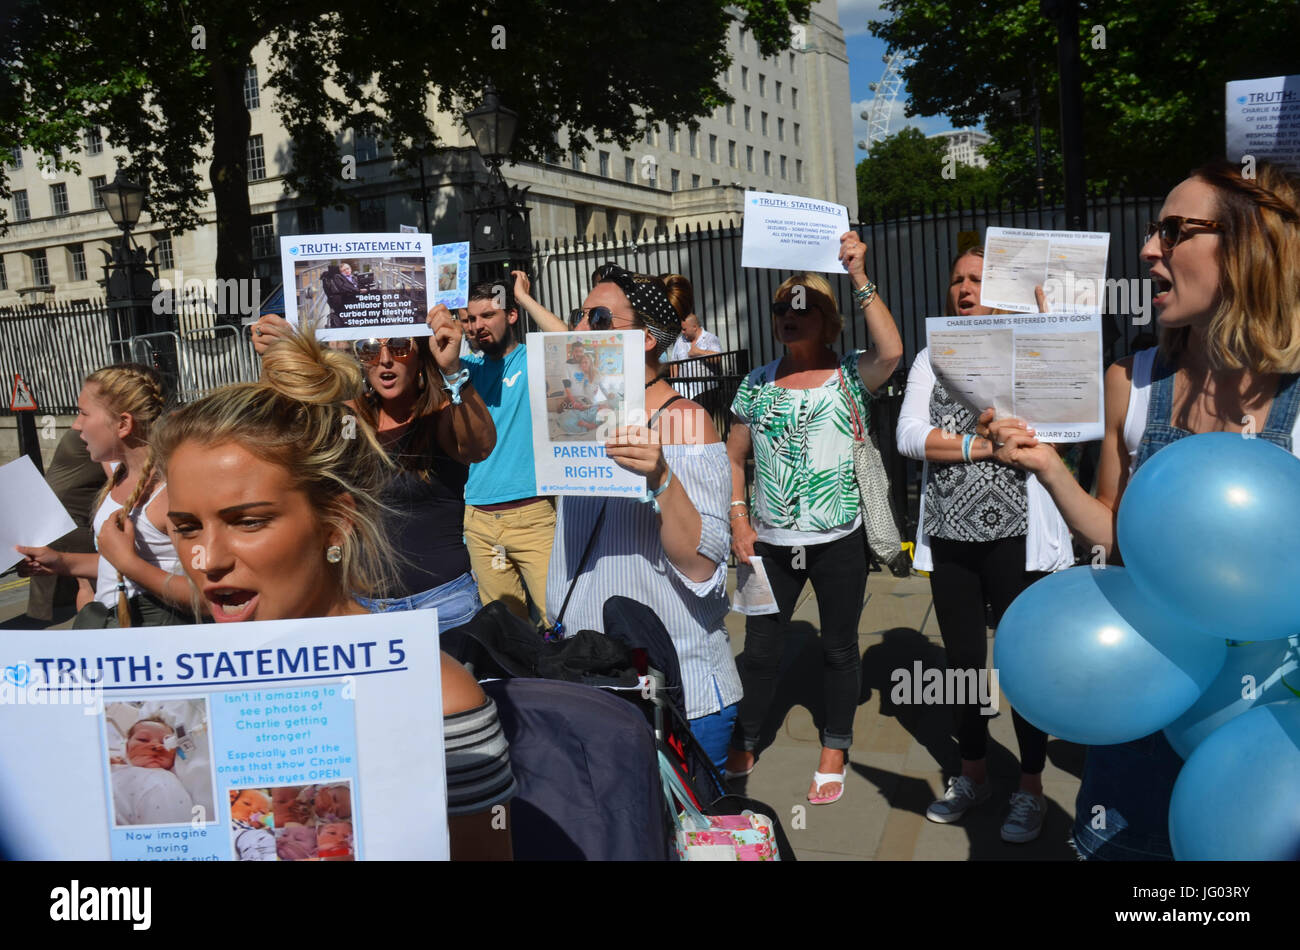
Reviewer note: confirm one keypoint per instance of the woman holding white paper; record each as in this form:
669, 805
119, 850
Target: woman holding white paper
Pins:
795, 415
1225, 258
986, 532
277, 516
136, 573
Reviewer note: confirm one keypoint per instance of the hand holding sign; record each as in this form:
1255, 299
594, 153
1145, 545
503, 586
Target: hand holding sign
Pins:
269, 328
637, 449
444, 343
853, 254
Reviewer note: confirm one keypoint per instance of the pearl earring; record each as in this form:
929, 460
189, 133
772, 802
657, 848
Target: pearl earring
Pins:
333, 554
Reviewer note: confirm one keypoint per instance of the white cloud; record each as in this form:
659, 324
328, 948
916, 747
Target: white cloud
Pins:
897, 121
854, 15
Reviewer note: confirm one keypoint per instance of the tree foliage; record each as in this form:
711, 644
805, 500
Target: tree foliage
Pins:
908, 170
164, 79
1153, 78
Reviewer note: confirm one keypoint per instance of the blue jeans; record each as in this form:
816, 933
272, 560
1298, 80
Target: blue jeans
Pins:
713, 732
1132, 783
456, 602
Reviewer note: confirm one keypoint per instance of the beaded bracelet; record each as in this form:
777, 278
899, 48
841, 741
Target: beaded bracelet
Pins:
864, 293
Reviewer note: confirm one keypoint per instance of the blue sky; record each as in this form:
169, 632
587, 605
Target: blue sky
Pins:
866, 65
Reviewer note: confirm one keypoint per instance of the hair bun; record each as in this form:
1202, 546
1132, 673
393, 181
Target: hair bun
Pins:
299, 367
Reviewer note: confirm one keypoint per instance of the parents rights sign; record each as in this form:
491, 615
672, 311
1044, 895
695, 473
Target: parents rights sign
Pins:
274, 740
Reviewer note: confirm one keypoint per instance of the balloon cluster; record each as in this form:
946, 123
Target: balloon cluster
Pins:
1197, 636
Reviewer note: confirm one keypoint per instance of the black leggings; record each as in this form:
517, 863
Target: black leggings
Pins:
838, 571
967, 574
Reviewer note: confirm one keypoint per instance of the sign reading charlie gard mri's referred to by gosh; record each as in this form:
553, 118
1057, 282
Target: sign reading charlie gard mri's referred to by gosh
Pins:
284, 740
354, 286
583, 387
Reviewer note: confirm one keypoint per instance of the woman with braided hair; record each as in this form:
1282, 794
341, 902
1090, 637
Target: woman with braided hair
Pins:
1225, 259
137, 577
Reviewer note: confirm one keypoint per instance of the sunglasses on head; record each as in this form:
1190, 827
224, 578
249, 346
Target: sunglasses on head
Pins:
782, 307
598, 318
1174, 229
369, 351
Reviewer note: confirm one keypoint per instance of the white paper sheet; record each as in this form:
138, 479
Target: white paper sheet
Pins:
790, 232
1263, 120
753, 590
1070, 266
33, 514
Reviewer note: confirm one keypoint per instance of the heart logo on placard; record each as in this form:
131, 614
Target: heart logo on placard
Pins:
1241, 99
293, 250
17, 674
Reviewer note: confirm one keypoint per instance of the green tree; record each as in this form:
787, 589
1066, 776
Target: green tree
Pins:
164, 79
1153, 78
908, 170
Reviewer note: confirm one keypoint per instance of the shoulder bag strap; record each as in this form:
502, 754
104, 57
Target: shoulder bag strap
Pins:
859, 432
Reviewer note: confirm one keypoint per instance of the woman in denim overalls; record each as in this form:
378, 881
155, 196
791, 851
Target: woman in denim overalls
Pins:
1225, 260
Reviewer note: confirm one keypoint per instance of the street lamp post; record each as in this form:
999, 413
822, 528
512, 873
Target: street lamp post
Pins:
500, 238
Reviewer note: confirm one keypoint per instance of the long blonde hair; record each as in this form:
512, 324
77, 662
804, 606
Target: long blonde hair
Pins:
137, 390
295, 418
1257, 323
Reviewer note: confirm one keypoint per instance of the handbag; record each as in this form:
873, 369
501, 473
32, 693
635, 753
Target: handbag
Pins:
748, 836
873, 487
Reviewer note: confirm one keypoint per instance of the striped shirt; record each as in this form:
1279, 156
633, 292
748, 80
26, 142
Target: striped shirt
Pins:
628, 559
478, 761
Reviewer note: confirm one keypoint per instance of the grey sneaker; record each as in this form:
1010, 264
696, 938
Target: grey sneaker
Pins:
1026, 818
962, 794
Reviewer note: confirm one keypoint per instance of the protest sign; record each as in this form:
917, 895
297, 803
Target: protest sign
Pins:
1263, 120
354, 286
33, 514
1070, 266
790, 232
316, 739
1043, 368
583, 387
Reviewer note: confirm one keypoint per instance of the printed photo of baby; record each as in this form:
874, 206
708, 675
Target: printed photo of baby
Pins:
293, 823
584, 388
159, 761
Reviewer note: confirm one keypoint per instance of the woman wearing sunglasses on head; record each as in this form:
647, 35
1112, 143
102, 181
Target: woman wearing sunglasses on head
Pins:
278, 517
432, 423
1225, 259
795, 417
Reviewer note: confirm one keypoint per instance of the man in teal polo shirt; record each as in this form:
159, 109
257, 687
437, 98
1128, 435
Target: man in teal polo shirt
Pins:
508, 528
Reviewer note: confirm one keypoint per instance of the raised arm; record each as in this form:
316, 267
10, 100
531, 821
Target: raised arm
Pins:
879, 362
546, 321
466, 431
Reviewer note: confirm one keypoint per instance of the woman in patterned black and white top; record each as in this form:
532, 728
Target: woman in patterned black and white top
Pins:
987, 531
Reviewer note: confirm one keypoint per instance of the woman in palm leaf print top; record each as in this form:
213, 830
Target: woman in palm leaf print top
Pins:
793, 415
986, 533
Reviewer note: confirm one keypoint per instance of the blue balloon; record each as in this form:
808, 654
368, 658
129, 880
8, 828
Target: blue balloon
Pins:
1083, 656
1254, 674
1235, 799
1209, 528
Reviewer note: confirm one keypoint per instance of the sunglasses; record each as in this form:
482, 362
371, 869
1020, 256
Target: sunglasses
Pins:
1175, 229
598, 318
782, 307
369, 351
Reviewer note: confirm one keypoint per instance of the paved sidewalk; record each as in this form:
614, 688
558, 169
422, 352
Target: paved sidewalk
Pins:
900, 756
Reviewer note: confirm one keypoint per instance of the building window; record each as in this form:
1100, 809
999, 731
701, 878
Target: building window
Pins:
748, 119
744, 78
780, 129
256, 158
767, 163
676, 180
311, 221
749, 158
742, 40
672, 140
713, 157
575, 160
798, 169
794, 98
59, 198
731, 114
16, 157
763, 122
716, 182
783, 166
263, 232
762, 85
372, 215
96, 199
796, 133
4, 278
650, 136
694, 143
40, 268
629, 170
22, 210
778, 91
94, 141
604, 164
77, 261
731, 154
364, 145
252, 98
695, 181
163, 251
792, 62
